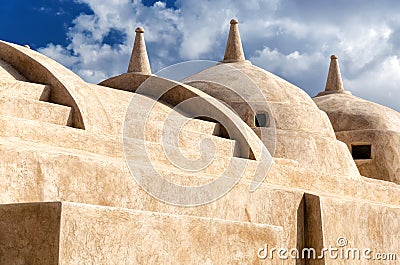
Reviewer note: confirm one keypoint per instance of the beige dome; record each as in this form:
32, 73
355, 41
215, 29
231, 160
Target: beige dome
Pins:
293, 126
297, 130
350, 113
68, 147
371, 131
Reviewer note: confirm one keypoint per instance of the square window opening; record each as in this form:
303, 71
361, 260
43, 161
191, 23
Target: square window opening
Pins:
361, 151
261, 120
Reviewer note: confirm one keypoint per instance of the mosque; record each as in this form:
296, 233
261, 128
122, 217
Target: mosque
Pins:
223, 167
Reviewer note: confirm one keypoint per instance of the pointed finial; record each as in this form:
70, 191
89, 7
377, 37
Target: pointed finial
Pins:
234, 50
334, 82
139, 62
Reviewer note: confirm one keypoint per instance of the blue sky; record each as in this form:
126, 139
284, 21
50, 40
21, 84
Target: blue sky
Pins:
290, 38
38, 22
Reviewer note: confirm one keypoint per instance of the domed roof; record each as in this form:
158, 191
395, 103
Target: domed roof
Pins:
150, 130
347, 112
298, 129
371, 131
98, 173
292, 108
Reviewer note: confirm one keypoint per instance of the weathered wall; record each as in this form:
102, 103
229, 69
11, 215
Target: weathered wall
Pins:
29, 233
385, 151
69, 233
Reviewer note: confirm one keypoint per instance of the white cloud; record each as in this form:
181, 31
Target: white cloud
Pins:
94, 60
290, 39
60, 54
380, 84
293, 64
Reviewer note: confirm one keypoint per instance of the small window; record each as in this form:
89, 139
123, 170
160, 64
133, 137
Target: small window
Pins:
361, 151
261, 120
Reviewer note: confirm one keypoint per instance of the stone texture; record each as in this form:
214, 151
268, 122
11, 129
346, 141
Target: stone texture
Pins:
67, 88
357, 121
139, 62
26, 90
385, 153
70, 233
350, 113
7, 72
29, 233
35, 110
312, 194
334, 83
300, 130
32, 178
234, 50
134, 237
377, 228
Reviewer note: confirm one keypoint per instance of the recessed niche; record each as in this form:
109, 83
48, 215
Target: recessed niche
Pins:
361, 151
261, 120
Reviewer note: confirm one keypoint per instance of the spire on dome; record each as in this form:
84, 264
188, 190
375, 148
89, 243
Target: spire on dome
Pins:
139, 62
234, 50
334, 83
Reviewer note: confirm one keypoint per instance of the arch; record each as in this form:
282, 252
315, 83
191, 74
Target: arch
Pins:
67, 88
178, 92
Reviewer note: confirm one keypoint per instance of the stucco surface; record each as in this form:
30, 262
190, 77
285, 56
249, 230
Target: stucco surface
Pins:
71, 233
134, 237
359, 122
26, 90
312, 194
67, 88
377, 229
29, 233
384, 163
351, 113
7, 72
301, 131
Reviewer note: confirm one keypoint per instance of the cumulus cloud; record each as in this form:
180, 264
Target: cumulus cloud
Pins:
295, 66
379, 84
290, 38
90, 56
